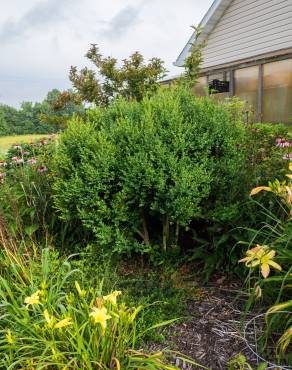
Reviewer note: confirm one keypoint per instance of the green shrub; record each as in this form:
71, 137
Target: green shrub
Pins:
265, 157
137, 174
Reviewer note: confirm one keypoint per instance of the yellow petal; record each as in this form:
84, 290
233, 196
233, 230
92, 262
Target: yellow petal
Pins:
63, 323
289, 177
255, 263
265, 269
271, 254
258, 291
259, 189
275, 265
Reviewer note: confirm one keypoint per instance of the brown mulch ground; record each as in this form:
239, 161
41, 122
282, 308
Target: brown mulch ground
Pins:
211, 335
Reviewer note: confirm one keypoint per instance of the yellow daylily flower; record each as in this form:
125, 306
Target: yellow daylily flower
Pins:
267, 261
33, 299
112, 297
253, 254
261, 256
259, 189
100, 316
63, 323
290, 166
80, 291
9, 337
49, 319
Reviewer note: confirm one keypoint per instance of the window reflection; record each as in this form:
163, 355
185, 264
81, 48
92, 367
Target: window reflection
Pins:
246, 86
277, 94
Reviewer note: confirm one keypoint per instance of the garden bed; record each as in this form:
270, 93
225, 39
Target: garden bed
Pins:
211, 335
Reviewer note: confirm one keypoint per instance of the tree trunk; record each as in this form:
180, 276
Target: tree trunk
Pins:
145, 230
176, 233
165, 232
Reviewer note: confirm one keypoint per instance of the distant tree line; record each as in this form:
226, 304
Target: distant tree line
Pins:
37, 118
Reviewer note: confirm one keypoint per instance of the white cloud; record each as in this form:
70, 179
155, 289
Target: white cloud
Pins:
41, 39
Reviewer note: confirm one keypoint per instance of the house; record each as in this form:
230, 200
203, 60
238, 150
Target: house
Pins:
248, 54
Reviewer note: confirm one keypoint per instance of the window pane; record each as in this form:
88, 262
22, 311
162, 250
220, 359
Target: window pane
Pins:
200, 87
246, 86
277, 94
223, 76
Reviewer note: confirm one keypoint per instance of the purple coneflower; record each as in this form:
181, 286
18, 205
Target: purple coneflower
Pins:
43, 142
288, 157
17, 160
32, 161
42, 169
25, 153
17, 146
283, 143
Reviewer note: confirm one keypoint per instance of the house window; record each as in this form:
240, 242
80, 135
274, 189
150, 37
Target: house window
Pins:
277, 91
246, 87
218, 86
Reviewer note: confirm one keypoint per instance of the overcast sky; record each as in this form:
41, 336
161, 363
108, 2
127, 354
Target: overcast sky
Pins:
41, 39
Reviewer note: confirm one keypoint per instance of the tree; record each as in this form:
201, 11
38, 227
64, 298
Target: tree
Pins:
132, 80
37, 118
3, 124
195, 58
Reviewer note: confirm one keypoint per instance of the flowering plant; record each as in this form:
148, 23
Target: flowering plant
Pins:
277, 238
49, 326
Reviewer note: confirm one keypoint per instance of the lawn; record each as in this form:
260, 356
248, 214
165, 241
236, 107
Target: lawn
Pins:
7, 141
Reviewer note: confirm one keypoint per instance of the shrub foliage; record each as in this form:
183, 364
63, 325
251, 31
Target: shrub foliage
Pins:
136, 174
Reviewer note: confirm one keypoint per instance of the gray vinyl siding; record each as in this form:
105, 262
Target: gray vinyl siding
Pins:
249, 28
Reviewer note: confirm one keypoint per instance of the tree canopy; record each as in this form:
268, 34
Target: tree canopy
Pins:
37, 118
132, 80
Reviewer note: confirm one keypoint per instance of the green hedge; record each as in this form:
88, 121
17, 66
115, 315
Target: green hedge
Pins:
137, 174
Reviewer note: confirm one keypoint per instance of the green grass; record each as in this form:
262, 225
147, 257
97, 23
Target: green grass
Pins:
7, 141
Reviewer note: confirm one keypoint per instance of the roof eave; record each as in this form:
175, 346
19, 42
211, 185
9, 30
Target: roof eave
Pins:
207, 25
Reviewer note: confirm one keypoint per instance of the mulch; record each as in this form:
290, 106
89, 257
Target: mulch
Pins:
212, 334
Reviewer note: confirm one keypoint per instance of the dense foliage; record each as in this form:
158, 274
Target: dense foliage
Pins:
269, 260
143, 171
51, 320
132, 80
166, 176
37, 118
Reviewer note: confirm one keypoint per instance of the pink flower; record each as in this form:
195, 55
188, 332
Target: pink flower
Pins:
288, 157
17, 160
25, 153
283, 143
17, 146
32, 161
42, 169
43, 142
3, 164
